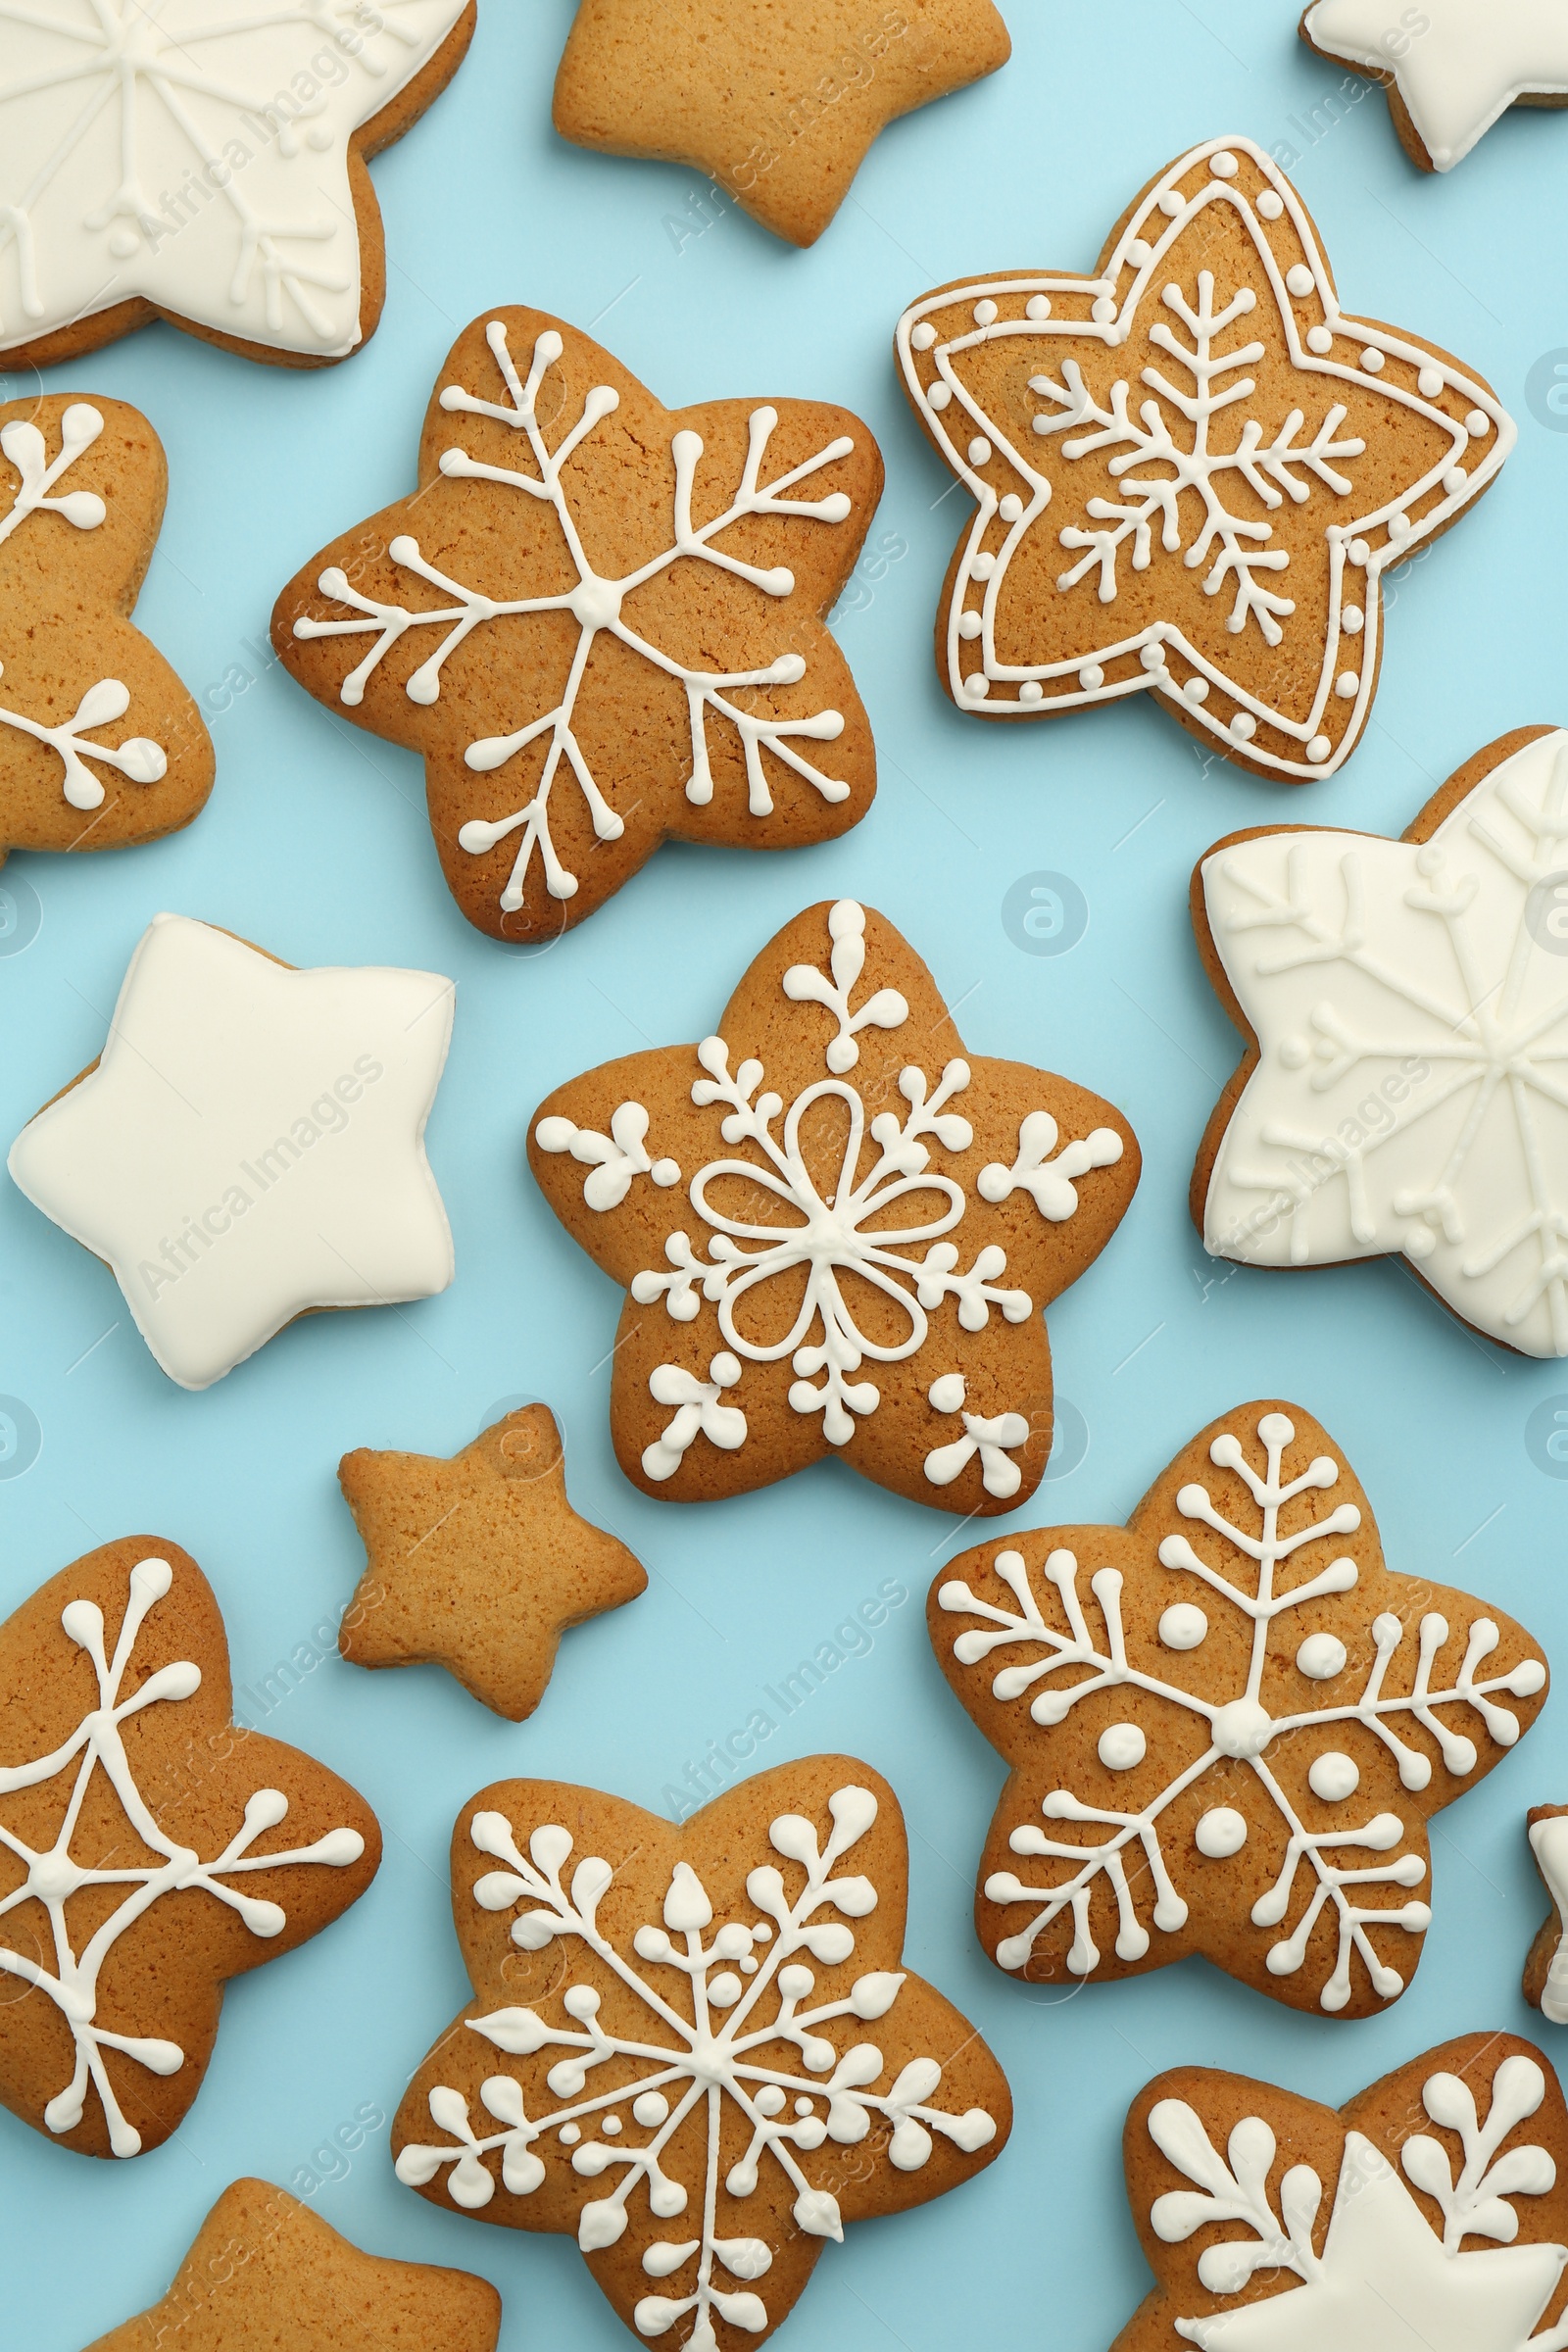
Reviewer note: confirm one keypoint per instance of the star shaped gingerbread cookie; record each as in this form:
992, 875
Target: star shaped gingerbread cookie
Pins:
776, 103
479, 1564
1452, 66
837, 1233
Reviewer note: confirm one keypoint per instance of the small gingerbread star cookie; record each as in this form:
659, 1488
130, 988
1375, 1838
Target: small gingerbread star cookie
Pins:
478, 1563
778, 104
264, 2272
1452, 66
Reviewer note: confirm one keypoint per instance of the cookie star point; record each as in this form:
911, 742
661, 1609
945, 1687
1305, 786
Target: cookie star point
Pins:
1453, 73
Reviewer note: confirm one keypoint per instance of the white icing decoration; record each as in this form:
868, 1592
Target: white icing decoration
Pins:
172, 154
1385, 2274
614, 1158
250, 1145
1321, 1658
744, 2051
1182, 1626
1220, 1833
597, 606
1238, 1729
698, 1410
1048, 1181
54, 1877
1410, 1003
139, 761
991, 1437
1334, 1777
1122, 1747
1200, 329
1469, 63
1548, 1842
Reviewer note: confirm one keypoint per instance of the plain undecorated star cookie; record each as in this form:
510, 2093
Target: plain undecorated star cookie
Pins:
771, 2072
478, 1563
206, 163
1429, 2212
1406, 1009
836, 1233
266, 2273
1191, 471
99, 744
1228, 1724
601, 623
149, 1848
778, 104
250, 1145
1452, 66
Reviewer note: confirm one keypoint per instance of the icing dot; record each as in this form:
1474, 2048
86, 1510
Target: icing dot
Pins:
1038, 305
1138, 253
1372, 360
1296, 1052
969, 624
1319, 340
1153, 656
1031, 691
1400, 525
923, 335
982, 565
1420, 1242
1122, 1747
1353, 620
1103, 310
1359, 551
1091, 677
1224, 164
770, 2100
1334, 1778
1244, 726
1299, 279
1010, 508
1478, 425
1271, 204
123, 243
939, 395
1196, 690
977, 684
979, 450
1346, 684
1221, 1832
1429, 383
804, 2107
650, 2108
1183, 1626
570, 2135
1171, 202
1455, 481
1319, 749
612, 2126
1321, 1658
985, 311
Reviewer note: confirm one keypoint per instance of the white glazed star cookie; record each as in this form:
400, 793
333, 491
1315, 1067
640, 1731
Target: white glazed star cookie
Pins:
1452, 66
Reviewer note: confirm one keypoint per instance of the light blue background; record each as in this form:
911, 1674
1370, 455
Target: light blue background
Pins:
315, 845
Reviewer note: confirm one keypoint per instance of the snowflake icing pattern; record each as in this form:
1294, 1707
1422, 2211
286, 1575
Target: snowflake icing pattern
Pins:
597, 605
1410, 1001
1123, 1853
54, 1879
711, 2040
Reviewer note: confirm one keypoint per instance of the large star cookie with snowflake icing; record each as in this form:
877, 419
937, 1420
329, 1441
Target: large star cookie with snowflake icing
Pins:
1191, 471
695, 2049
149, 1848
601, 623
1430, 2211
836, 1232
1405, 1087
1452, 66
205, 163
99, 744
1228, 1725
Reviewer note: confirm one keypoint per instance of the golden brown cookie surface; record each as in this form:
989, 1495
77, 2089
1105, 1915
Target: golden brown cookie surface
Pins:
1228, 1724
149, 1848
480, 1563
776, 100
836, 1232
694, 2048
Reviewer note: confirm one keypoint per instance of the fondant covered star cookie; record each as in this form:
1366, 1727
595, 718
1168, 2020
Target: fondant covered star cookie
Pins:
266, 2272
1191, 471
99, 744
837, 1233
601, 621
1452, 66
777, 104
250, 1145
479, 1564
1429, 2212
205, 163
1406, 1004
1228, 1723
149, 1849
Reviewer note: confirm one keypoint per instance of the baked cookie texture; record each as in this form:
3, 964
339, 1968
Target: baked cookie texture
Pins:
835, 1231
150, 1849
775, 100
1432, 2209
602, 624
1405, 1007
1190, 471
697, 2049
478, 1563
205, 166
99, 744
265, 2274
1545, 1978
1227, 1726
1451, 68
